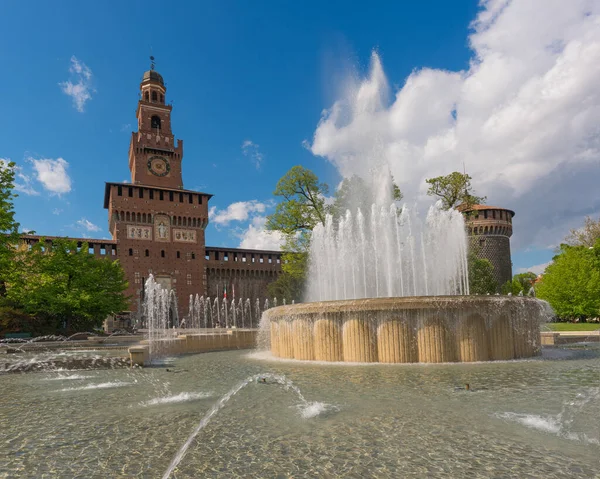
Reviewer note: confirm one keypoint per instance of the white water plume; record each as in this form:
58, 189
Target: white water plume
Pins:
274, 378
389, 253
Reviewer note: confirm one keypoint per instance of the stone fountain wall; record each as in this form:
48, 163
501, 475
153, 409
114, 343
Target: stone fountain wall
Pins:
407, 330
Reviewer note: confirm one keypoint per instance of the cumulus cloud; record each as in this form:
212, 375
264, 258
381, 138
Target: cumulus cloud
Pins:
537, 268
257, 237
79, 86
239, 211
250, 149
87, 225
52, 174
524, 118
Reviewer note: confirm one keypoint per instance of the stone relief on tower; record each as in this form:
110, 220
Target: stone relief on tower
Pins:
139, 232
161, 228
184, 236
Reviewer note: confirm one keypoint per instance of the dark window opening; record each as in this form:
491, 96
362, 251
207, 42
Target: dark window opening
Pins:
147, 96
199, 199
193, 255
162, 98
155, 122
162, 197
181, 197
170, 196
147, 252
130, 192
485, 214
120, 190
162, 253
178, 255
130, 252
191, 198
141, 190
154, 96
151, 194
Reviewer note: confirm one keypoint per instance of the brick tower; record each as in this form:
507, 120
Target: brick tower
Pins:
158, 225
489, 229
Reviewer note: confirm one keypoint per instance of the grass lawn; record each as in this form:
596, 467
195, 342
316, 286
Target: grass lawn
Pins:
573, 326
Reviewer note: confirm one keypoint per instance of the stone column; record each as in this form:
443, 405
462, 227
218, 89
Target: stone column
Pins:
358, 341
502, 345
302, 332
472, 339
436, 341
396, 342
327, 340
286, 345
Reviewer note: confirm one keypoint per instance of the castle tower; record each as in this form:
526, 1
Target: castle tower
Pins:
154, 158
158, 225
489, 229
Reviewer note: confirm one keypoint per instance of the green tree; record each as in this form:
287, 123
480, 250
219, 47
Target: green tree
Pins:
60, 283
571, 283
9, 228
520, 282
586, 235
454, 189
481, 275
301, 207
286, 286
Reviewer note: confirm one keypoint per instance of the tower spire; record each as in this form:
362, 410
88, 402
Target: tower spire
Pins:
151, 62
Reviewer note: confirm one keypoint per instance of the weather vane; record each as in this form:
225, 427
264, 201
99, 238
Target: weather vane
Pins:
151, 62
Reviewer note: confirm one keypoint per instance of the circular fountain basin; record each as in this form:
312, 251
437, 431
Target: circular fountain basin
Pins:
423, 329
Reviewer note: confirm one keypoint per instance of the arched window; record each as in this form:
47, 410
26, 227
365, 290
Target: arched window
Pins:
130, 252
147, 96
155, 122
162, 253
154, 96
147, 253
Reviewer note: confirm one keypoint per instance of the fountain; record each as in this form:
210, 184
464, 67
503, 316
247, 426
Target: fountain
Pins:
389, 288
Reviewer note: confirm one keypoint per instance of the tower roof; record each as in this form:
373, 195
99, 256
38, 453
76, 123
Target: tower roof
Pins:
153, 76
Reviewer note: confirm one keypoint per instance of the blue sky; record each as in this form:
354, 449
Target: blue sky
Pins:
249, 82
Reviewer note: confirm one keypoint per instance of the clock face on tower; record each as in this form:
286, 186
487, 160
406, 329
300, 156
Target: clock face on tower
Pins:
159, 166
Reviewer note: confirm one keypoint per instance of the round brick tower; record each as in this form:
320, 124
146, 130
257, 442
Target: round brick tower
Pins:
489, 229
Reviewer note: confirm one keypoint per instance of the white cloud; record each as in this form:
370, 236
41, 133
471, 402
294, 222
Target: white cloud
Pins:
250, 149
523, 118
79, 87
257, 237
87, 225
537, 269
57, 211
27, 231
240, 211
52, 174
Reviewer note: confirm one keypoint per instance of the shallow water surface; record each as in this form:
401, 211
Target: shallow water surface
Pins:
538, 418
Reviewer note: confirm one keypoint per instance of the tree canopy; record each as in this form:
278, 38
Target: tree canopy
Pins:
454, 189
481, 275
571, 283
64, 285
520, 282
9, 228
587, 235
